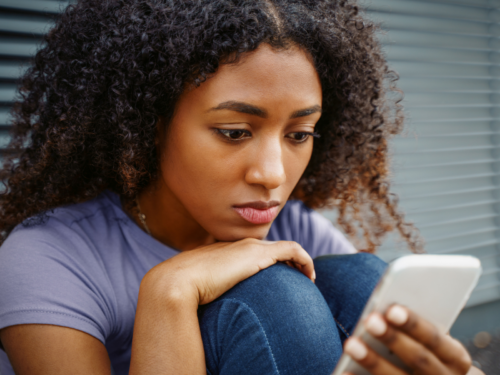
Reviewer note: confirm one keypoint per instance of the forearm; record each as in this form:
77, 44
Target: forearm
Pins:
167, 338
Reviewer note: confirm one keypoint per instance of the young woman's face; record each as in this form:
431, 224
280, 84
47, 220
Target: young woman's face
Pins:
238, 144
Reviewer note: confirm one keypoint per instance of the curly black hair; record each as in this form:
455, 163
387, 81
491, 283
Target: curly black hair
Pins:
88, 108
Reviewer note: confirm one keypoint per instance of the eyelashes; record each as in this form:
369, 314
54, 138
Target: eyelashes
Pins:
302, 136
238, 135
234, 134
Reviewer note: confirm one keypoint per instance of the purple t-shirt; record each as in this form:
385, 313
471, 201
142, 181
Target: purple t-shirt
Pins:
82, 266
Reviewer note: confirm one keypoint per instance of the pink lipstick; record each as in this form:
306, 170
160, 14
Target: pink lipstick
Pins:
258, 212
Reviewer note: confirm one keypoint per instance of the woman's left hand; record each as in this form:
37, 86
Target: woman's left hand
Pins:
415, 341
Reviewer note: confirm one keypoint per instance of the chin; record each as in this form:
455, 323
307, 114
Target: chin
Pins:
259, 232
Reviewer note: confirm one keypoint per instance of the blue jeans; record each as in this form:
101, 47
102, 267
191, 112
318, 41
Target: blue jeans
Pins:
279, 322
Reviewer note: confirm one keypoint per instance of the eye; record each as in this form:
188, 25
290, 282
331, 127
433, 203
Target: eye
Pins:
300, 137
234, 134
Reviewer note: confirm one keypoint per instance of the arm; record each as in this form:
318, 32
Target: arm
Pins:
35, 349
38, 276
167, 337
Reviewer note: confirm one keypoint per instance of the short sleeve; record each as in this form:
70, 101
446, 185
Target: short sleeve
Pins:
45, 279
315, 233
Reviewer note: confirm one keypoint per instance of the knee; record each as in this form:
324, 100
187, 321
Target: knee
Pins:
278, 310
278, 297
346, 282
276, 287
355, 272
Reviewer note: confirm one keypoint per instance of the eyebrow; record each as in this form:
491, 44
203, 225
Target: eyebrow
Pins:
306, 112
260, 112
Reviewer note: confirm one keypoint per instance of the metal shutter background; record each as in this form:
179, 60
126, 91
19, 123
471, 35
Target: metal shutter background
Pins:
22, 25
447, 165
447, 168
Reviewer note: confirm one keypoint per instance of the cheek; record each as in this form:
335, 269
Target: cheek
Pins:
201, 172
194, 168
295, 162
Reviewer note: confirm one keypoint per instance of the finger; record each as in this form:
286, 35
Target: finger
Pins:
411, 352
292, 251
283, 251
370, 360
292, 264
446, 348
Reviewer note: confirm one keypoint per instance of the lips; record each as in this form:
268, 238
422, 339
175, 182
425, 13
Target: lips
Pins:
258, 212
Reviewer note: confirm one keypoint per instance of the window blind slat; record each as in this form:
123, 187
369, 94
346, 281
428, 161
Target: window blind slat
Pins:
440, 128
413, 69
451, 149
476, 3
12, 48
443, 85
428, 39
468, 219
7, 93
411, 21
453, 98
434, 54
432, 114
53, 7
437, 210
10, 70
24, 25
432, 10
441, 166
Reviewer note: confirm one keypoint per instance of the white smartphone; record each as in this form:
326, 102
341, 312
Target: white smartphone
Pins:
436, 287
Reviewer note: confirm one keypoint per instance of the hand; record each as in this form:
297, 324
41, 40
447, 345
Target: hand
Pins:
209, 271
414, 340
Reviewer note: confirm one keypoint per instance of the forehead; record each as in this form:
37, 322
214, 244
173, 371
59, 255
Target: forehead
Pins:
264, 76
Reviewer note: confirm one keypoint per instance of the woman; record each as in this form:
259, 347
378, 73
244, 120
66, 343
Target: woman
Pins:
161, 141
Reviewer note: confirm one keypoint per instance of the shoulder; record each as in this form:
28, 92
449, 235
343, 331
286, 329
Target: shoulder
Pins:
66, 241
53, 268
66, 224
104, 207
68, 228
318, 236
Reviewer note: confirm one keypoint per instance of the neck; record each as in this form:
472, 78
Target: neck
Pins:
169, 221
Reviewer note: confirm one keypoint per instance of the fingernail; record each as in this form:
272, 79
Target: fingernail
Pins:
397, 315
376, 325
314, 275
356, 349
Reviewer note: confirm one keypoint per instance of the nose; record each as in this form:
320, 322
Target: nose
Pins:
266, 165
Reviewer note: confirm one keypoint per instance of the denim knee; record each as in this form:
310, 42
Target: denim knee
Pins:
346, 282
275, 322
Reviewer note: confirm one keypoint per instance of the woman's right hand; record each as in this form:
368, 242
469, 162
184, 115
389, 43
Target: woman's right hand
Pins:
206, 273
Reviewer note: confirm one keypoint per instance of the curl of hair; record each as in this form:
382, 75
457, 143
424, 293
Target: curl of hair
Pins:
87, 114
